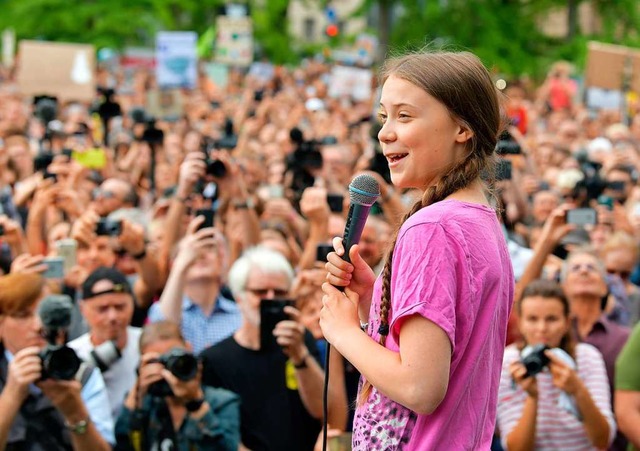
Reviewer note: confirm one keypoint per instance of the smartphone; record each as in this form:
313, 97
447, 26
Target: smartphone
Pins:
66, 249
271, 313
582, 216
275, 191
50, 175
322, 250
209, 216
55, 268
106, 227
606, 200
336, 202
503, 170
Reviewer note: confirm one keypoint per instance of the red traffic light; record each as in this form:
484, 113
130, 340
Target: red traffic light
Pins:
332, 30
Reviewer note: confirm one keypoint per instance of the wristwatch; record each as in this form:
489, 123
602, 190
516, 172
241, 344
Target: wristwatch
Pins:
243, 205
302, 364
79, 428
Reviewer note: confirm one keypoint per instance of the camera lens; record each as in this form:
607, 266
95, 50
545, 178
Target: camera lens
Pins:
59, 362
536, 360
216, 168
182, 364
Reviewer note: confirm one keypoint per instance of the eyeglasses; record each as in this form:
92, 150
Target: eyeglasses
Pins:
105, 194
580, 266
263, 292
624, 275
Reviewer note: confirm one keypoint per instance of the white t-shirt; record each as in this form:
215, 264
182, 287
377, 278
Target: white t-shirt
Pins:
121, 375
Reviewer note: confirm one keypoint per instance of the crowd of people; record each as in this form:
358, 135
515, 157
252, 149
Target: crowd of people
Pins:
197, 257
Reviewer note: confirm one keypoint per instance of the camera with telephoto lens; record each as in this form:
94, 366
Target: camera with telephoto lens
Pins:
536, 360
507, 145
58, 360
181, 363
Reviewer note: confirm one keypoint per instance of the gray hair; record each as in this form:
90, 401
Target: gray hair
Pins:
582, 251
264, 260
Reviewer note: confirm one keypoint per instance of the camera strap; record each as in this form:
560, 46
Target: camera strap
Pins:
84, 373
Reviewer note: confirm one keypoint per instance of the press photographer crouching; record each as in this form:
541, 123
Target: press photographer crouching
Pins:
168, 408
553, 391
48, 399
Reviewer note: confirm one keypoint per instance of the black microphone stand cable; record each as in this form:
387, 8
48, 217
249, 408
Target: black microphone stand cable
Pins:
325, 397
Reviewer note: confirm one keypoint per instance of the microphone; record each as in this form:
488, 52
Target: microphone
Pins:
55, 313
363, 192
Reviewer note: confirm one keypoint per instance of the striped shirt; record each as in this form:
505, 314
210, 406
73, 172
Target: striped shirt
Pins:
556, 429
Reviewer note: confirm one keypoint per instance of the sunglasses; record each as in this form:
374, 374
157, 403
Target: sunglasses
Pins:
263, 292
580, 266
624, 275
105, 194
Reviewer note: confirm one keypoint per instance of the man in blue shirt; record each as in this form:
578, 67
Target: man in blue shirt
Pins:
192, 296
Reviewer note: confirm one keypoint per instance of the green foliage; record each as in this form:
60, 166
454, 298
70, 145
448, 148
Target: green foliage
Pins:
506, 33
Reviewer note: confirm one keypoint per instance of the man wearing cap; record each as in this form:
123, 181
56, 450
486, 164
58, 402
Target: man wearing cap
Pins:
111, 344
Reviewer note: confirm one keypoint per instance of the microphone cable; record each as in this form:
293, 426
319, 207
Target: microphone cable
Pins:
325, 397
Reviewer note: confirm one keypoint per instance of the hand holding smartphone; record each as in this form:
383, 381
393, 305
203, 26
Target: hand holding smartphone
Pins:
271, 313
582, 216
209, 216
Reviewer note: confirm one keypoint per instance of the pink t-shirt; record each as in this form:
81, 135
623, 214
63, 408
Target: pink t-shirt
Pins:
450, 265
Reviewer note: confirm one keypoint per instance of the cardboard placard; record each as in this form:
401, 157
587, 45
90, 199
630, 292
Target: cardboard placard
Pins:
234, 43
165, 103
607, 65
66, 71
350, 81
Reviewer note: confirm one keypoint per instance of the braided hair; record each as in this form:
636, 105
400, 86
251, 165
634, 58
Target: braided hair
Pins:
463, 85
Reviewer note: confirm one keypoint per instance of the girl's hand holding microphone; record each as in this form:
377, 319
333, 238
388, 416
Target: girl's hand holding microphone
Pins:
357, 277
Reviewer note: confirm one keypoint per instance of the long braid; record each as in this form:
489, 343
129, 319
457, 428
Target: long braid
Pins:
460, 176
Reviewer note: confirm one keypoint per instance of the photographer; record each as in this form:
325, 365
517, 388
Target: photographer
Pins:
43, 414
168, 408
278, 377
111, 343
556, 396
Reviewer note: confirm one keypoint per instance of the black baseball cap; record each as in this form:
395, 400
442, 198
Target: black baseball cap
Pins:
119, 281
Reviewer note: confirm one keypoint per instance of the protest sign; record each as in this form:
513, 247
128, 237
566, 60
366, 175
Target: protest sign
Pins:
176, 59
611, 70
350, 81
608, 65
234, 43
138, 58
165, 104
65, 71
218, 74
8, 47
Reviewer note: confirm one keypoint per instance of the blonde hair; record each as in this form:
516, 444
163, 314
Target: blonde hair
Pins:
19, 292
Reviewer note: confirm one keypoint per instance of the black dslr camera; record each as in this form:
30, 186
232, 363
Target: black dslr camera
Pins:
507, 145
182, 365
536, 360
106, 227
58, 360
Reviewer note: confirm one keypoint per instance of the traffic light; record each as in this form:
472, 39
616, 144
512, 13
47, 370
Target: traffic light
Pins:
332, 30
